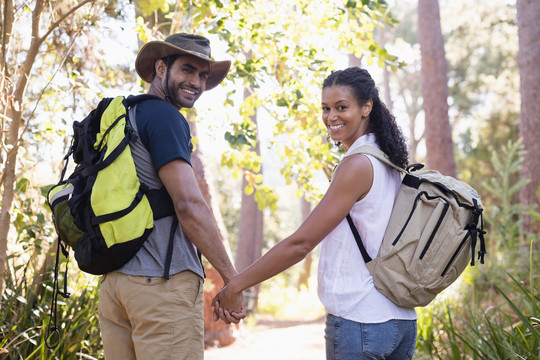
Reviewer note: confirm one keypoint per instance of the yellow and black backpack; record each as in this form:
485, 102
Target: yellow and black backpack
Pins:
103, 211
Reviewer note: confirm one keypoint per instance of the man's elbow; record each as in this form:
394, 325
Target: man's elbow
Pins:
187, 209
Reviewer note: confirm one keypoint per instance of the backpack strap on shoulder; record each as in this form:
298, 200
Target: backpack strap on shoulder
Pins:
160, 201
378, 154
133, 100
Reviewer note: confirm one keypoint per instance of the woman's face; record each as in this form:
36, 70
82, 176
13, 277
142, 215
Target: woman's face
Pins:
345, 119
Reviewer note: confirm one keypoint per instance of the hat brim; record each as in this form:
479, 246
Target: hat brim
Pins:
154, 50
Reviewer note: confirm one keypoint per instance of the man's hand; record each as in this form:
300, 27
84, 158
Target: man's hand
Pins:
229, 306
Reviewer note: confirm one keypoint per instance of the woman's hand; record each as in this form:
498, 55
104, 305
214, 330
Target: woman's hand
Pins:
229, 305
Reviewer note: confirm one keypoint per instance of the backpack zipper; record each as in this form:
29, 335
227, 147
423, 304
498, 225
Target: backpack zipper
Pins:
409, 218
439, 222
445, 210
456, 253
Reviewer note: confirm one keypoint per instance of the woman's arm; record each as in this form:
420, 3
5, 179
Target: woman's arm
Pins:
352, 181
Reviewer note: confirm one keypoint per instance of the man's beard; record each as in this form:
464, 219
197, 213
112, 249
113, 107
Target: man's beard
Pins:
174, 91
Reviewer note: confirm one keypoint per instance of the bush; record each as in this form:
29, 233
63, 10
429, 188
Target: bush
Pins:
25, 317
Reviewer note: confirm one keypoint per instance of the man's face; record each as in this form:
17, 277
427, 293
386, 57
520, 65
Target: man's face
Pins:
187, 80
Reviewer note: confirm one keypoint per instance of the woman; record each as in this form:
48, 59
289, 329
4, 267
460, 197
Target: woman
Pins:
361, 322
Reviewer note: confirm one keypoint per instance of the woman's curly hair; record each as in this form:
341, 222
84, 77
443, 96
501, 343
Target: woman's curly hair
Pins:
381, 122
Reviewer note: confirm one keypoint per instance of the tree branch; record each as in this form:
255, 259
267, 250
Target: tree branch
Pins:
57, 23
6, 32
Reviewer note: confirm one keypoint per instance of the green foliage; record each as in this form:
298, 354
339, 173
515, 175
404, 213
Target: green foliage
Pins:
505, 331
480, 63
26, 300
280, 52
505, 211
150, 6
427, 332
500, 318
26, 316
280, 60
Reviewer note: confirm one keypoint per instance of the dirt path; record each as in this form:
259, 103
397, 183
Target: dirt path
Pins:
274, 339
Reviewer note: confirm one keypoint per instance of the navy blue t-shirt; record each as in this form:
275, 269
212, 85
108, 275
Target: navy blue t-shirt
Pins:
164, 132
163, 136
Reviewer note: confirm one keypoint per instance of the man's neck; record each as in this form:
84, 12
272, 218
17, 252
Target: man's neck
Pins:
158, 91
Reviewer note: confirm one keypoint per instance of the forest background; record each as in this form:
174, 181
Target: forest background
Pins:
462, 78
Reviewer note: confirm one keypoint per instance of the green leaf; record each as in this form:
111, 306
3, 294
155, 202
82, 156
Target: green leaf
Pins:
282, 102
520, 315
22, 185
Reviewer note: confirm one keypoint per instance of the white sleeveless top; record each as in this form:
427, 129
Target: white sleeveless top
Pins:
345, 286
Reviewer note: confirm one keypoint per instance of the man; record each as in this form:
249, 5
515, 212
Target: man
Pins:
143, 315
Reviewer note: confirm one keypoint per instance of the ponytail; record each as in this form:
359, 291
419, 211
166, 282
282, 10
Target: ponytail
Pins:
388, 134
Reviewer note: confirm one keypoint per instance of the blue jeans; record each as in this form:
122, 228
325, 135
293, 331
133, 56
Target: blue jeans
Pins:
347, 339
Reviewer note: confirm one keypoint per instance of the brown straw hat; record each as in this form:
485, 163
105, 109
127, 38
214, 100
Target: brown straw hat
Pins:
180, 44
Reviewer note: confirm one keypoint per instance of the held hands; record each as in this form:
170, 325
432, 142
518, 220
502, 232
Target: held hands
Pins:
229, 306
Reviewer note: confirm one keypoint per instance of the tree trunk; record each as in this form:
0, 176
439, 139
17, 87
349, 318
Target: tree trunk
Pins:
528, 13
13, 102
216, 333
381, 39
250, 229
354, 60
410, 92
37, 289
14, 114
250, 235
305, 207
7, 27
413, 108
438, 133
206, 188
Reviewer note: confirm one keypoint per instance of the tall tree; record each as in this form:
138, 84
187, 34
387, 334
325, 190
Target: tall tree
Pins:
14, 107
406, 80
215, 333
250, 228
381, 35
528, 13
303, 279
438, 133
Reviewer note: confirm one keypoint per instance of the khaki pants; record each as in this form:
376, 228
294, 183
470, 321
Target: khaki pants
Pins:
152, 318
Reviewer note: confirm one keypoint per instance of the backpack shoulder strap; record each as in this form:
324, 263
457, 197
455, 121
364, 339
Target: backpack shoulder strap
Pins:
378, 154
159, 199
133, 100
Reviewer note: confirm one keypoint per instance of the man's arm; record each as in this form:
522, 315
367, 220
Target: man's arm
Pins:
195, 216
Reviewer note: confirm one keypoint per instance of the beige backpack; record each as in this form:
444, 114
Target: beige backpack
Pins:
432, 233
